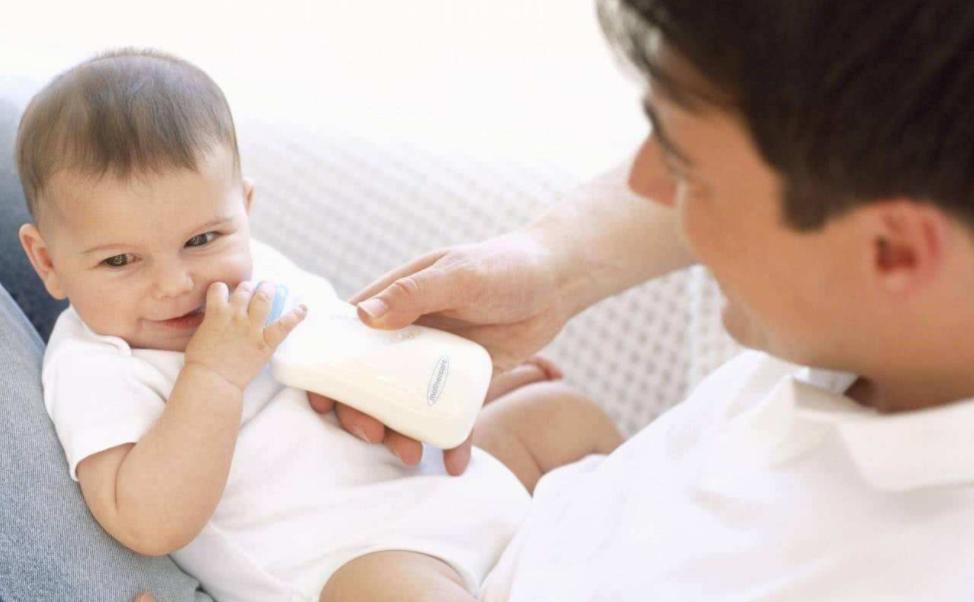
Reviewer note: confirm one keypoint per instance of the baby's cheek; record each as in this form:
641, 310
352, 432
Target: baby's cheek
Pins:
237, 269
106, 315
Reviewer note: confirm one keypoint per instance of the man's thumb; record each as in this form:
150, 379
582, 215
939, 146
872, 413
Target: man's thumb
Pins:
405, 300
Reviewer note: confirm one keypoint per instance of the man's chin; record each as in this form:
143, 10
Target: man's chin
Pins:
739, 327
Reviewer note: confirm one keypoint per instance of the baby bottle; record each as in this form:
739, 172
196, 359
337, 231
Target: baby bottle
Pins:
422, 382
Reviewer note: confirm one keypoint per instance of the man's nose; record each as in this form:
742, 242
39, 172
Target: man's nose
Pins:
648, 177
171, 279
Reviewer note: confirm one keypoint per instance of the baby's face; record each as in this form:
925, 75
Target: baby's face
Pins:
136, 256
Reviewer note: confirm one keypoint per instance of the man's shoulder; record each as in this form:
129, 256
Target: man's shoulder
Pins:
749, 369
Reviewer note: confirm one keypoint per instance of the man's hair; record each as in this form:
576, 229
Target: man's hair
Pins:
850, 101
125, 113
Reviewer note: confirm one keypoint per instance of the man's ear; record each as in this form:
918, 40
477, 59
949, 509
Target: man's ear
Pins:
248, 192
40, 258
910, 243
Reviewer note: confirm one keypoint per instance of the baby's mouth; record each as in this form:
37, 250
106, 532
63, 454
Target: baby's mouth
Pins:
192, 312
188, 319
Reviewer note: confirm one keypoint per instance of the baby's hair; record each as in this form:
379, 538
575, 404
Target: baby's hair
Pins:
126, 113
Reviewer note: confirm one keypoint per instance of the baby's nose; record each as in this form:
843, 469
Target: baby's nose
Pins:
172, 280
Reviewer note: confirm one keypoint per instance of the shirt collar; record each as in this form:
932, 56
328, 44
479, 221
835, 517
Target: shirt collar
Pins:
896, 452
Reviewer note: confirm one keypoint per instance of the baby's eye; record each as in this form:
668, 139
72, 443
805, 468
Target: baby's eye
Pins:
118, 261
201, 239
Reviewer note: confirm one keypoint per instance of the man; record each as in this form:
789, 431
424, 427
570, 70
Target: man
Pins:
818, 155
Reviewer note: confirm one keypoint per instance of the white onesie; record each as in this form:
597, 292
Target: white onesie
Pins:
303, 496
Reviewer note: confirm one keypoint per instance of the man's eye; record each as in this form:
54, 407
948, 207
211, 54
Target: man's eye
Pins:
117, 261
676, 170
673, 169
201, 239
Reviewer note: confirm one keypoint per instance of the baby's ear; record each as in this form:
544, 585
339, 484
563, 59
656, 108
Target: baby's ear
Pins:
248, 192
40, 258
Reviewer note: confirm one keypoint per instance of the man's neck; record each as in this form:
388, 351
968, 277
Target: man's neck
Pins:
907, 394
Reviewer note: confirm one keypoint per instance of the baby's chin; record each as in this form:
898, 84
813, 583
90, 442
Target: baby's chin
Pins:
170, 346
162, 343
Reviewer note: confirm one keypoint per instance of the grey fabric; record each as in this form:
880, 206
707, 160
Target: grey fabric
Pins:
50, 547
16, 274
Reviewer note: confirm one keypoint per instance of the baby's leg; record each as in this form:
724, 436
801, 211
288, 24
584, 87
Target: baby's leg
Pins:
541, 426
395, 576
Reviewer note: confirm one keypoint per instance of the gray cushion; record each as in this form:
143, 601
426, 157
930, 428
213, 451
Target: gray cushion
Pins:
50, 546
16, 274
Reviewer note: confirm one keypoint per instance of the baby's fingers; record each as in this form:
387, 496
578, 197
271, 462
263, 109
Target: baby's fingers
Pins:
260, 303
240, 297
275, 334
217, 295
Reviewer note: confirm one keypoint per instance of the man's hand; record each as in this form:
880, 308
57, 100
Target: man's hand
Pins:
503, 293
409, 450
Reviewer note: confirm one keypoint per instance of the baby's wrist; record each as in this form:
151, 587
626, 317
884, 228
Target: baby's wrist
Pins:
215, 377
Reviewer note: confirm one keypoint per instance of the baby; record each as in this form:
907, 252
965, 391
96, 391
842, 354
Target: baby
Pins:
156, 376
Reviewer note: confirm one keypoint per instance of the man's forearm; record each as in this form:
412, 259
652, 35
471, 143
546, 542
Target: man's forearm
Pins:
170, 483
604, 239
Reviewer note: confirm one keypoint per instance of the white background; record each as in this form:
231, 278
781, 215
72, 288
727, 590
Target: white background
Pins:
531, 81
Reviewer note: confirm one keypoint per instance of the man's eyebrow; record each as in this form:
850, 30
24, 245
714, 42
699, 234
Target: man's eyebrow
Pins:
664, 140
202, 227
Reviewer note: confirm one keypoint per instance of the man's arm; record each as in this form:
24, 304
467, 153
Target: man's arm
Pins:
605, 238
514, 293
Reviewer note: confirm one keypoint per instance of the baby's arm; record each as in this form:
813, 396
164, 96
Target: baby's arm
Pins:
156, 495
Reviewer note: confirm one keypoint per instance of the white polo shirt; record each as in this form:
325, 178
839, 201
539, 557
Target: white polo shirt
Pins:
765, 484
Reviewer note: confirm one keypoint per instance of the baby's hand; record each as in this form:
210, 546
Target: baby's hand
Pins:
232, 340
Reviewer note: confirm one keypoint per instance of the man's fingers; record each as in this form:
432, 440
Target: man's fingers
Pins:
406, 299
409, 297
145, 597
381, 283
457, 459
552, 371
408, 450
369, 429
361, 425
320, 403
515, 378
